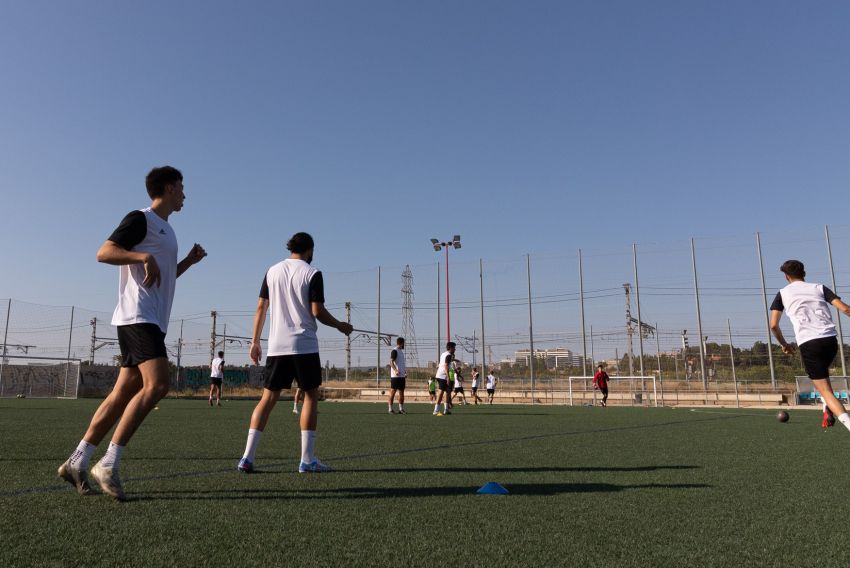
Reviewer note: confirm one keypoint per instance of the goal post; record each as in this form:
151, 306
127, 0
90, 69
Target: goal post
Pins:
632, 390
25, 376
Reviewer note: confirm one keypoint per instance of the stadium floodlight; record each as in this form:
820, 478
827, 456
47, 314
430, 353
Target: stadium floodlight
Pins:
438, 246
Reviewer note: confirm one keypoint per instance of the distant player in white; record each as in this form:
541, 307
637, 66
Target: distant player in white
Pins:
442, 378
807, 306
144, 246
293, 292
299, 396
398, 375
476, 377
491, 386
216, 378
458, 388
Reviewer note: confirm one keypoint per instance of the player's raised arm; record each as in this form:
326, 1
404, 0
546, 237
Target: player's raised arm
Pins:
194, 257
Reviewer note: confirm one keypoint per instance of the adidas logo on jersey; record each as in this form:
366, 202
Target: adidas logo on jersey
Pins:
162, 231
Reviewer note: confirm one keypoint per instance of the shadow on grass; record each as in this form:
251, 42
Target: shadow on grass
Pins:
541, 469
527, 489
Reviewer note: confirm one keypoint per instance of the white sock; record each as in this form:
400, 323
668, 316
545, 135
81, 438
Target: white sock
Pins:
845, 419
82, 455
308, 444
391, 406
445, 407
824, 406
112, 458
251, 446
295, 405
400, 406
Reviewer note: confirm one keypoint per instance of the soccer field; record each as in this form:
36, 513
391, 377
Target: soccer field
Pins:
588, 487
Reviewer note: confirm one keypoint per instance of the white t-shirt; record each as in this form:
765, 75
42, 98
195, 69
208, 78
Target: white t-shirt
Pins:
491, 381
475, 380
217, 368
399, 363
291, 286
145, 231
443, 367
807, 305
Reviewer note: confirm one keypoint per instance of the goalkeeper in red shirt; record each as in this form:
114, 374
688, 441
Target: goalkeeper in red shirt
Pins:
600, 381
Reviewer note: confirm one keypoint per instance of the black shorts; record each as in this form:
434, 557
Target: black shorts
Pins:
491, 391
443, 385
140, 342
604, 391
817, 355
474, 390
458, 389
305, 368
398, 383
215, 381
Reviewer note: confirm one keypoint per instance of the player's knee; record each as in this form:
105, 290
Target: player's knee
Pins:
157, 390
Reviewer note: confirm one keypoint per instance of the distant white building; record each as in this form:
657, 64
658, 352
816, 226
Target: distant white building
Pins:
557, 358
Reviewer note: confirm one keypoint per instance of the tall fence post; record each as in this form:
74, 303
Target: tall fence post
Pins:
699, 319
439, 346
5, 338
732, 359
179, 356
530, 325
378, 365
68, 363
483, 344
640, 321
837, 313
658, 354
581, 304
766, 315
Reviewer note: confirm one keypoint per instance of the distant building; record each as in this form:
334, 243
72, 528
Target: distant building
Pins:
558, 358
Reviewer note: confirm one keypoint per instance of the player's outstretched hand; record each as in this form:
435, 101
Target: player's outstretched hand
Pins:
152, 274
345, 328
256, 353
788, 349
196, 254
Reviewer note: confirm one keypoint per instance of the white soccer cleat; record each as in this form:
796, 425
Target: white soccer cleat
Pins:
109, 481
76, 477
315, 467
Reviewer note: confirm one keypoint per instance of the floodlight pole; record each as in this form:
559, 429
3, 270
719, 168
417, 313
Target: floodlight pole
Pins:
448, 315
766, 315
581, 304
378, 342
483, 345
699, 319
439, 327
837, 314
530, 326
5, 337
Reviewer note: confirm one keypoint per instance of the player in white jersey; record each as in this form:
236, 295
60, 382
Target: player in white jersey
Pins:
807, 306
144, 246
442, 378
476, 377
293, 294
216, 378
398, 375
491, 386
458, 387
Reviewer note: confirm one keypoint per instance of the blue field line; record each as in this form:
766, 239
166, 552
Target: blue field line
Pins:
293, 463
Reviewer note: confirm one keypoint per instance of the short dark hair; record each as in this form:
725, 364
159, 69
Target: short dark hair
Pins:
399, 341
793, 268
300, 243
221, 353
158, 178
450, 345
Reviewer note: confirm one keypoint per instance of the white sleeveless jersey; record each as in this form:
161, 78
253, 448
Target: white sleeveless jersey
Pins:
399, 363
292, 327
140, 304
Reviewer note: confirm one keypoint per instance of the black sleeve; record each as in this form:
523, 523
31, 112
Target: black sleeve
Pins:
131, 231
264, 288
317, 288
777, 303
829, 295
449, 359
393, 355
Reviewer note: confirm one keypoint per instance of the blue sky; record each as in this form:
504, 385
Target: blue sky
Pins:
538, 127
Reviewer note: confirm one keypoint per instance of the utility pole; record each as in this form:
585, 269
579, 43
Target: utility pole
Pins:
214, 315
179, 354
629, 330
93, 324
347, 341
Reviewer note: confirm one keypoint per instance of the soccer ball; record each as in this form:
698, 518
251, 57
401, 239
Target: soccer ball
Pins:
782, 416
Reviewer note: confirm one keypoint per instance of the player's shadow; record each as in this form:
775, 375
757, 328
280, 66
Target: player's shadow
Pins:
531, 469
355, 493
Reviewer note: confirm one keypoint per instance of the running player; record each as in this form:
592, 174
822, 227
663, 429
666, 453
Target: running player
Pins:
475, 376
458, 388
600, 381
144, 247
442, 379
398, 375
294, 293
216, 377
491, 386
432, 389
807, 306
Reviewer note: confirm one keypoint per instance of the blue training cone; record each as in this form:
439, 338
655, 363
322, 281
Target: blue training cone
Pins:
492, 488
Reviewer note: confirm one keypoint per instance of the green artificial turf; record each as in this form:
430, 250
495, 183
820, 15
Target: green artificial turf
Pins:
588, 487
